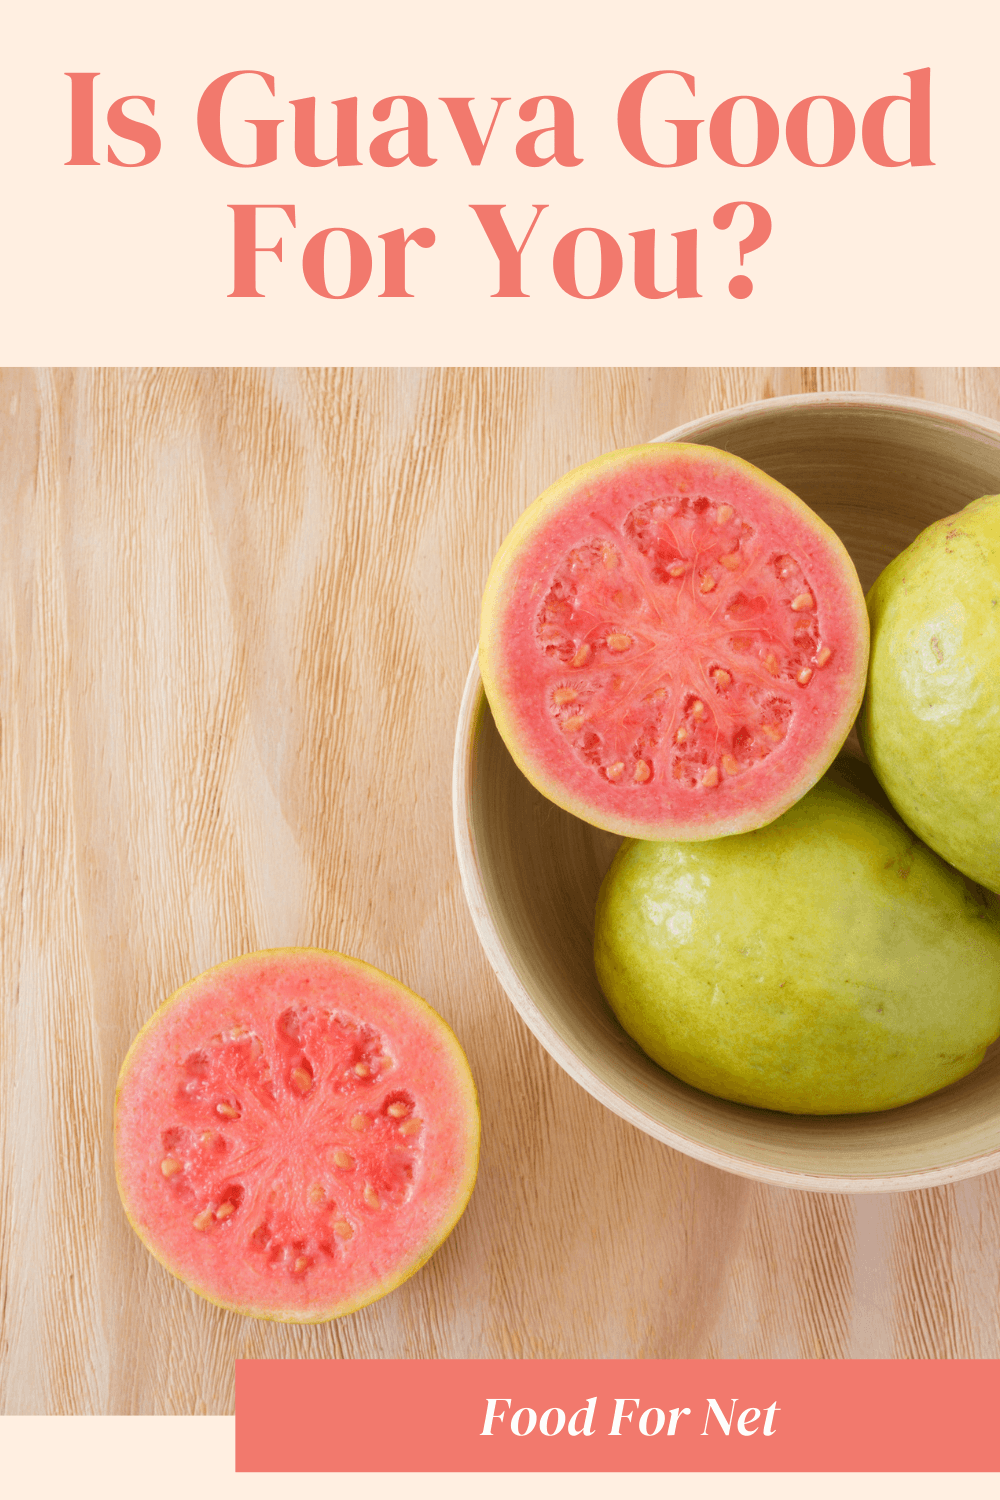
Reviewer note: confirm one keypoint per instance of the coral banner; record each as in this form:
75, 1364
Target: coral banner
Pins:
469, 1415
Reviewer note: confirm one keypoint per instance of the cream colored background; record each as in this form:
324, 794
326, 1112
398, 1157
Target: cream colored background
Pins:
98, 1456
864, 264
116, 266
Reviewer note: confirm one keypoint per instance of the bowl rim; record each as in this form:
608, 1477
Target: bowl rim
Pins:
474, 705
953, 415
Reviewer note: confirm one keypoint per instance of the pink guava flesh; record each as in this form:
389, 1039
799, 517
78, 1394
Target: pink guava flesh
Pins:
673, 645
295, 1134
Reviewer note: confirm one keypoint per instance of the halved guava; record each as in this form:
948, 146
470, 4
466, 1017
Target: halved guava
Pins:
295, 1134
673, 645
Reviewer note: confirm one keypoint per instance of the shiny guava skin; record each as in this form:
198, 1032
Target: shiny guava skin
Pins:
673, 645
930, 722
827, 964
296, 1133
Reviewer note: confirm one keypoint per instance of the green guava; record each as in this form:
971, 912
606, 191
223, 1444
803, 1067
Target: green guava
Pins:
829, 963
930, 723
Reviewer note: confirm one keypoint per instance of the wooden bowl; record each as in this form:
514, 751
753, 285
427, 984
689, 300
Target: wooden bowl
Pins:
878, 469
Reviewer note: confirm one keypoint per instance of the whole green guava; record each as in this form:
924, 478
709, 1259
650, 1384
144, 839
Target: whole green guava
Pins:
829, 963
930, 722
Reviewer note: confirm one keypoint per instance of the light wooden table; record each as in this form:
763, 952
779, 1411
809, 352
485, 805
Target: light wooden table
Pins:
238, 609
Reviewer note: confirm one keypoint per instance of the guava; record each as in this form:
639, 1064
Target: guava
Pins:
829, 963
930, 722
295, 1134
673, 645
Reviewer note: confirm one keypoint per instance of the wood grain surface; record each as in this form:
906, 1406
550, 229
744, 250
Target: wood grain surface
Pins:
237, 609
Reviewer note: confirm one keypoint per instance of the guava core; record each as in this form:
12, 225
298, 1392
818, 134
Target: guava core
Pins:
827, 964
673, 645
930, 722
295, 1134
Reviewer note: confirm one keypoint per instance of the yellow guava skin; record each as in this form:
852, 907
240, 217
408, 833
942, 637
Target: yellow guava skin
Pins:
930, 721
827, 964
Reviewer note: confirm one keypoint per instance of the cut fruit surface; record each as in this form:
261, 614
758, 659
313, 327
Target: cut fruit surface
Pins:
673, 645
295, 1134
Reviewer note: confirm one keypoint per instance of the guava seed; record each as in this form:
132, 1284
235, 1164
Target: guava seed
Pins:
642, 771
707, 583
731, 561
398, 1110
410, 1127
722, 678
563, 696
681, 735
301, 1264
802, 601
169, 1165
362, 1070
619, 642
698, 709
613, 772
582, 656
224, 1210
677, 570
370, 1196
804, 676
203, 1220
570, 726
343, 1159
729, 765
228, 1111
342, 1229
302, 1080
359, 1122
711, 777
724, 514
823, 656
